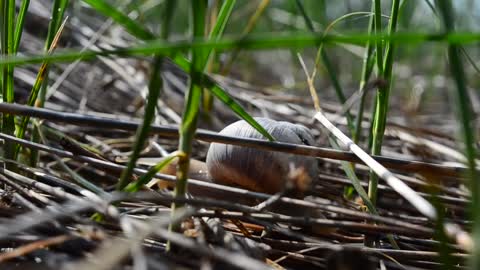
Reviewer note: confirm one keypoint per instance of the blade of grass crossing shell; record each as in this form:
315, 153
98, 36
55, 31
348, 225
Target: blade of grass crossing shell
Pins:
221, 94
154, 87
191, 108
464, 111
211, 86
8, 44
235, 107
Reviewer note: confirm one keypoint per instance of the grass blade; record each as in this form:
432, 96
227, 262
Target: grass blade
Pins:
19, 23
263, 41
154, 88
190, 110
216, 32
7, 47
250, 25
223, 16
384, 71
39, 81
367, 68
221, 94
144, 179
130, 25
464, 112
58, 10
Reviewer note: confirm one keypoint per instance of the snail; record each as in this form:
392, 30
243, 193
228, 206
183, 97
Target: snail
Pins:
260, 170
254, 169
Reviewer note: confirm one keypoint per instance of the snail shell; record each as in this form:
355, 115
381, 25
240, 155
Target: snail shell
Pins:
259, 170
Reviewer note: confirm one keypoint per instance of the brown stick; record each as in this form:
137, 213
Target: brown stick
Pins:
208, 136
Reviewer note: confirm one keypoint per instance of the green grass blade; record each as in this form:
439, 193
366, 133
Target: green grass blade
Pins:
381, 105
7, 47
392, 28
142, 133
144, 179
235, 107
190, 110
375, 137
58, 10
181, 61
306, 18
211, 86
167, 21
321, 54
350, 171
252, 21
464, 112
221, 94
367, 68
470, 59
385, 71
130, 25
19, 23
250, 42
215, 34
212, 64
154, 88
220, 24
347, 167
223, 17
377, 13
39, 81
192, 97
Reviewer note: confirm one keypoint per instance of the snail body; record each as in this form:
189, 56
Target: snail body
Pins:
259, 170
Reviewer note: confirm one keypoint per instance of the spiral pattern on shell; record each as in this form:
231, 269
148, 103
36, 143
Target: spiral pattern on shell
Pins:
259, 170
